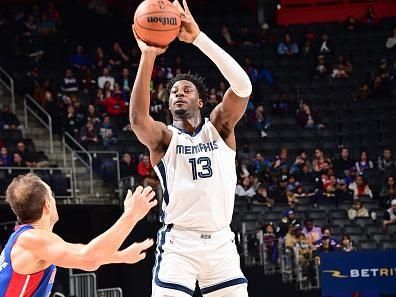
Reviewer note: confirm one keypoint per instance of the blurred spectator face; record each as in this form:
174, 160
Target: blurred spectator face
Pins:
127, 158
363, 156
3, 151
291, 215
393, 206
116, 46
387, 154
224, 30
344, 153
325, 37
262, 191
17, 158
326, 232
283, 154
390, 181
21, 146
357, 205
346, 241
106, 72
146, 160
260, 109
259, 157
306, 109
80, 50
325, 167
106, 120
359, 180
269, 229
246, 182
305, 169
90, 126
68, 73
70, 109
125, 72
287, 38
309, 225
107, 85
318, 154
91, 109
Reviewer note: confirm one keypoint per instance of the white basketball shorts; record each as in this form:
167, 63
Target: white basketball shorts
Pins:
184, 256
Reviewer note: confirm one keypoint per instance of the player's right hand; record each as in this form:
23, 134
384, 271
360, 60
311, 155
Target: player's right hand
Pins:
139, 203
135, 252
145, 48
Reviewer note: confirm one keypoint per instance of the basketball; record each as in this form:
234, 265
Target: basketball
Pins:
157, 22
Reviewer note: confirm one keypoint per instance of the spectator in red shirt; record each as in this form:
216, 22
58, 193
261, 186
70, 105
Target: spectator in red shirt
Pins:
144, 167
114, 105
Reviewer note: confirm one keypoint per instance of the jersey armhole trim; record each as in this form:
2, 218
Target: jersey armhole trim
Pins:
218, 134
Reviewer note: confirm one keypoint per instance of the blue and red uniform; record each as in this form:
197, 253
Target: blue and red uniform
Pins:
13, 284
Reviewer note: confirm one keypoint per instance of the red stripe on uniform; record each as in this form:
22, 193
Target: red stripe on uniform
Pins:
17, 283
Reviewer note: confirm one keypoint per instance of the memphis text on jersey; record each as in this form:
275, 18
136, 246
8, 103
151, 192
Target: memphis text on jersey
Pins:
194, 149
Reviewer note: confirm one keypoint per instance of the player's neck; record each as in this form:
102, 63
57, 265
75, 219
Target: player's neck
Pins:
43, 224
187, 124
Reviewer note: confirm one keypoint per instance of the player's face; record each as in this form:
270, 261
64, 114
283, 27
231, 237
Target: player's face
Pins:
184, 99
54, 217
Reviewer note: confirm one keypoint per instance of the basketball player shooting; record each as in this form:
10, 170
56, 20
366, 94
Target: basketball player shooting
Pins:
29, 259
195, 161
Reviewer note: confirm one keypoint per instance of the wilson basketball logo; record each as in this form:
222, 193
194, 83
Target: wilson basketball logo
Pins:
162, 20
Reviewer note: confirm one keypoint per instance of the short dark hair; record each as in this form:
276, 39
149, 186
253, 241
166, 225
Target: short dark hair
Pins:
26, 195
197, 80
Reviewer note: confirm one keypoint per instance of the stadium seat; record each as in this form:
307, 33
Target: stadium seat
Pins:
352, 229
389, 244
378, 237
367, 245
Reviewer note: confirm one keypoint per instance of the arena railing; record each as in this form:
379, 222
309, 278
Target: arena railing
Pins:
71, 145
82, 284
110, 292
8, 172
255, 237
32, 107
101, 158
8, 82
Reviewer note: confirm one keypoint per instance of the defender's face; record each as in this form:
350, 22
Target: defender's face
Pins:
184, 99
53, 211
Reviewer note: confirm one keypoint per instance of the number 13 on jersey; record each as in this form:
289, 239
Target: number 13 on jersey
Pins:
201, 167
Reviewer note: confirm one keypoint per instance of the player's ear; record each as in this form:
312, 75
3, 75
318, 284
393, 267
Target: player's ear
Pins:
200, 102
47, 206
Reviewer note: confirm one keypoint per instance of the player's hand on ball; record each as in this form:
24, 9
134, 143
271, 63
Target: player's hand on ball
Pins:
189, 29
135, 252
145, 48
139, 203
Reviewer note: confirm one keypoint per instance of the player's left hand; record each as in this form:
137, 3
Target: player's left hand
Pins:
135, 252
189, 29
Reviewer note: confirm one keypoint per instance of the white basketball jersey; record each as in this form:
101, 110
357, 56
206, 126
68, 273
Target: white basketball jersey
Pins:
198, 177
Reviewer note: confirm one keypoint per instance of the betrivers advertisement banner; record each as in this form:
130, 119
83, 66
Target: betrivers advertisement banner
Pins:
368, 273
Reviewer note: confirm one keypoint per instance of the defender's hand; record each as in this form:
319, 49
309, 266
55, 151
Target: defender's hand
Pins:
135, 252
138, 204
189, 28
145, 48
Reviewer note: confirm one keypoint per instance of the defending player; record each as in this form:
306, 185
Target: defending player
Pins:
28, 261
195, 161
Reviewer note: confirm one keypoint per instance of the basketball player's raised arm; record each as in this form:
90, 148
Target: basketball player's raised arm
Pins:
230, 111
49, 247
151, 133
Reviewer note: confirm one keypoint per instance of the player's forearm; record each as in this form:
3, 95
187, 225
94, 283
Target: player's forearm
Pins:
110, 241
139, 106
231, 70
